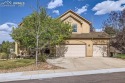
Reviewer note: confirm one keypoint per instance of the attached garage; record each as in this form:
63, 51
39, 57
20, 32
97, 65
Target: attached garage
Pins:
71, 50
99, 50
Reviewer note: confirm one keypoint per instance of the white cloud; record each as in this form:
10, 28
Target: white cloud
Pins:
99, 30
56, 12
5, 30
7, 27
81, 10
108, 6
55, 3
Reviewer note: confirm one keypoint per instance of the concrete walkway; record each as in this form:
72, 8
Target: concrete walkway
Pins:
73, 67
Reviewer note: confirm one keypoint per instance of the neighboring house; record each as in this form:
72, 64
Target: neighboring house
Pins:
83, 42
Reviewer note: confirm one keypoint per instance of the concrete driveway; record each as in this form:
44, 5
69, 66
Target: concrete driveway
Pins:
88, 63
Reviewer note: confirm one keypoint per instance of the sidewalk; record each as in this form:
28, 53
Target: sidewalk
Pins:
43, 74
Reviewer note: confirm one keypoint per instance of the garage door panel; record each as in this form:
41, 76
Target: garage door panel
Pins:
72, 50
99, 50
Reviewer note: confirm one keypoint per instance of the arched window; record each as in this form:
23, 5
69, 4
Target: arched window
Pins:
74, 27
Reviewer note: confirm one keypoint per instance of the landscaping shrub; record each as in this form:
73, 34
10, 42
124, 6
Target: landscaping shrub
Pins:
42, 58
18, 56
13, 55
3, 56
29, 57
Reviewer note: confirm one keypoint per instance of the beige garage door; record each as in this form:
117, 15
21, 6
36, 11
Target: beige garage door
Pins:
71, 50
99, 50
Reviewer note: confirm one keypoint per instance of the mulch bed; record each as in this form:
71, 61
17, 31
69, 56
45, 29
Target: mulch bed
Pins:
40, 66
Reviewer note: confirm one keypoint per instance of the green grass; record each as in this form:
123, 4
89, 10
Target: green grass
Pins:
122, 56
10, 64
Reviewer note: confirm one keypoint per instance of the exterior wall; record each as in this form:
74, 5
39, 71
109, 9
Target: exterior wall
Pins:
100, 41
89, 44
16, 48
19, 49
82, 26
85, 27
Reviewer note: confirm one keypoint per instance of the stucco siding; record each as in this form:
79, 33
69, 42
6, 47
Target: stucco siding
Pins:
73, 21
100, 41
83, 26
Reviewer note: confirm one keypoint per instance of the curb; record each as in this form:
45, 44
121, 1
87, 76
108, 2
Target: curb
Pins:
5, 77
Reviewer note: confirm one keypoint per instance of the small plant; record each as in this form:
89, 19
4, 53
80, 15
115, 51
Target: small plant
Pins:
42, 58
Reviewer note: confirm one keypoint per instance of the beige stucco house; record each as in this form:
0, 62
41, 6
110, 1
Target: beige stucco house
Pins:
83, 42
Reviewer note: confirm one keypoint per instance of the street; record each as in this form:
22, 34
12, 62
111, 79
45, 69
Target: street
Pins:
97, 78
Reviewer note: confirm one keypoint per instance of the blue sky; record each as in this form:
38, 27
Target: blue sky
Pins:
96, 11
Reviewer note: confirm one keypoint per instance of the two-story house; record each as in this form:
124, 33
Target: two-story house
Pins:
83, 42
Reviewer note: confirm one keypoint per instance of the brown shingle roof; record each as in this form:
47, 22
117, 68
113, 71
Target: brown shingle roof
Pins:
95, 35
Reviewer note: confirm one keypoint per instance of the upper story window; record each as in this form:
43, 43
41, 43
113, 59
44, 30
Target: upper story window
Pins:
74, 27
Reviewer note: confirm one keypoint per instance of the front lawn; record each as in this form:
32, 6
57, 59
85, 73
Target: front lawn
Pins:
10, 64
20, 65
122, 56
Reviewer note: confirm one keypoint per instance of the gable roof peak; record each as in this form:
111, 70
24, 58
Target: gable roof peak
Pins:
75, 14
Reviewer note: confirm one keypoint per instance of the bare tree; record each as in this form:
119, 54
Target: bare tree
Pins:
115, 26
